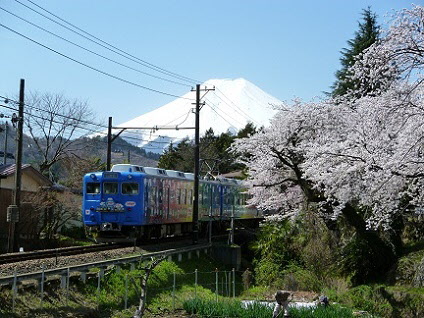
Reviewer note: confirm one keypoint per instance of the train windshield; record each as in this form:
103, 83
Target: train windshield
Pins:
130, 188
92, 188
110, 187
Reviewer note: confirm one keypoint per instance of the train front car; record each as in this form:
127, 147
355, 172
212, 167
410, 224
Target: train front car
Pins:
113, 205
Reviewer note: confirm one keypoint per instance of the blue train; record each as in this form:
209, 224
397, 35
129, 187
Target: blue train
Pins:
133, 202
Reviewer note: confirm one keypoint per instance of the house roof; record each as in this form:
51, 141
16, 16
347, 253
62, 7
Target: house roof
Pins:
8, 170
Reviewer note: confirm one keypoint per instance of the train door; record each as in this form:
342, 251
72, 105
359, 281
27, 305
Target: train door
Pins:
109, 197
132, 200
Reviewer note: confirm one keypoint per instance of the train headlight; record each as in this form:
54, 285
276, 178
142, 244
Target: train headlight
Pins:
129, 176
93, 176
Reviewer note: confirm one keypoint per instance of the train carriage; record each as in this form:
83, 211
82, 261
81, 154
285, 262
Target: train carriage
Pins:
133, 202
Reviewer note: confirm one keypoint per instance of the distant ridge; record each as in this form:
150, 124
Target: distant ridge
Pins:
230, 107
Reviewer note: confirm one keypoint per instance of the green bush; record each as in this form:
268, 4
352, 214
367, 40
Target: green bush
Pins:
368, 298
366, 259
267, 273
163, 274
298, 278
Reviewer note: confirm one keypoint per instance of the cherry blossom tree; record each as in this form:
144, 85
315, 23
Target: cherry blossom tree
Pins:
376, 159
358, 157
345, 156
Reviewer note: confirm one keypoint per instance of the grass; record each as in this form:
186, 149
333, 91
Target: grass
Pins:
84, 300
234, 308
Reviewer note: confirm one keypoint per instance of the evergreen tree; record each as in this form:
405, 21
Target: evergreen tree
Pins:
214, 152
367, 34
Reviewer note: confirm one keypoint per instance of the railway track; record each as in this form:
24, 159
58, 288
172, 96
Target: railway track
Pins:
76, 250
64, 251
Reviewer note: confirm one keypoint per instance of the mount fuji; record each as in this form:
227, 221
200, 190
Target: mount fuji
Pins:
229, 107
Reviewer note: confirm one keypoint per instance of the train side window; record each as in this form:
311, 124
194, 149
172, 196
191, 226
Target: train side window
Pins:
92, 188
168, 195
152, 196
179, 196
110, 187
160, 195
190, 196
130, 188
185, 196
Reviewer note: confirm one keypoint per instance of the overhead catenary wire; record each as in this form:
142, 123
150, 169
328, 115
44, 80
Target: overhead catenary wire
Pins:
90, 130
235, 105
92, 52
105, 44
88, 122
213, 106
218, 113
51, 112
91, 67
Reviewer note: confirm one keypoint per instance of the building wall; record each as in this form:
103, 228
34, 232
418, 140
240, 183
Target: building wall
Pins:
5, 201
6, 198
26, 227
27, 183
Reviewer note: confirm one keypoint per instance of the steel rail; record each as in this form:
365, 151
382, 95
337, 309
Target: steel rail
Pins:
63, 251
7, 280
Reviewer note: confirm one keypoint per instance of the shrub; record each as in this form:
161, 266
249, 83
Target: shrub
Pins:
268, 272
298, 278
366, 259
368, 298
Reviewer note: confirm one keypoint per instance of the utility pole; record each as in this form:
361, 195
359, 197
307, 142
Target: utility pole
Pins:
197, 164
6, 130
196, 168
109, 144
13, 210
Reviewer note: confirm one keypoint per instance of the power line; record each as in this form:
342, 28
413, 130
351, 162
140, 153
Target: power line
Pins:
223, 113
90, 130
109, 46
226, 103
92, 52
93, 68
85, 121
218, 114
247, 115
53, 113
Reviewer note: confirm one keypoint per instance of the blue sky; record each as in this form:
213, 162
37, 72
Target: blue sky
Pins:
287, 48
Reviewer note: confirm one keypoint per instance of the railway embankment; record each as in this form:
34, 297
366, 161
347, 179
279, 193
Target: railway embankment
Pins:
113, 286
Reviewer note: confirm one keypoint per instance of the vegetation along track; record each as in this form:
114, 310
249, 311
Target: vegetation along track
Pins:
64, 251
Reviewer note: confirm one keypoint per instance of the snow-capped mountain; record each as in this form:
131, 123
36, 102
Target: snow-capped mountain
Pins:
229, 107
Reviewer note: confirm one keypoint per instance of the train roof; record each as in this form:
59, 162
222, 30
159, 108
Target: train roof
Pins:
155, 171
176, 174
125, 167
